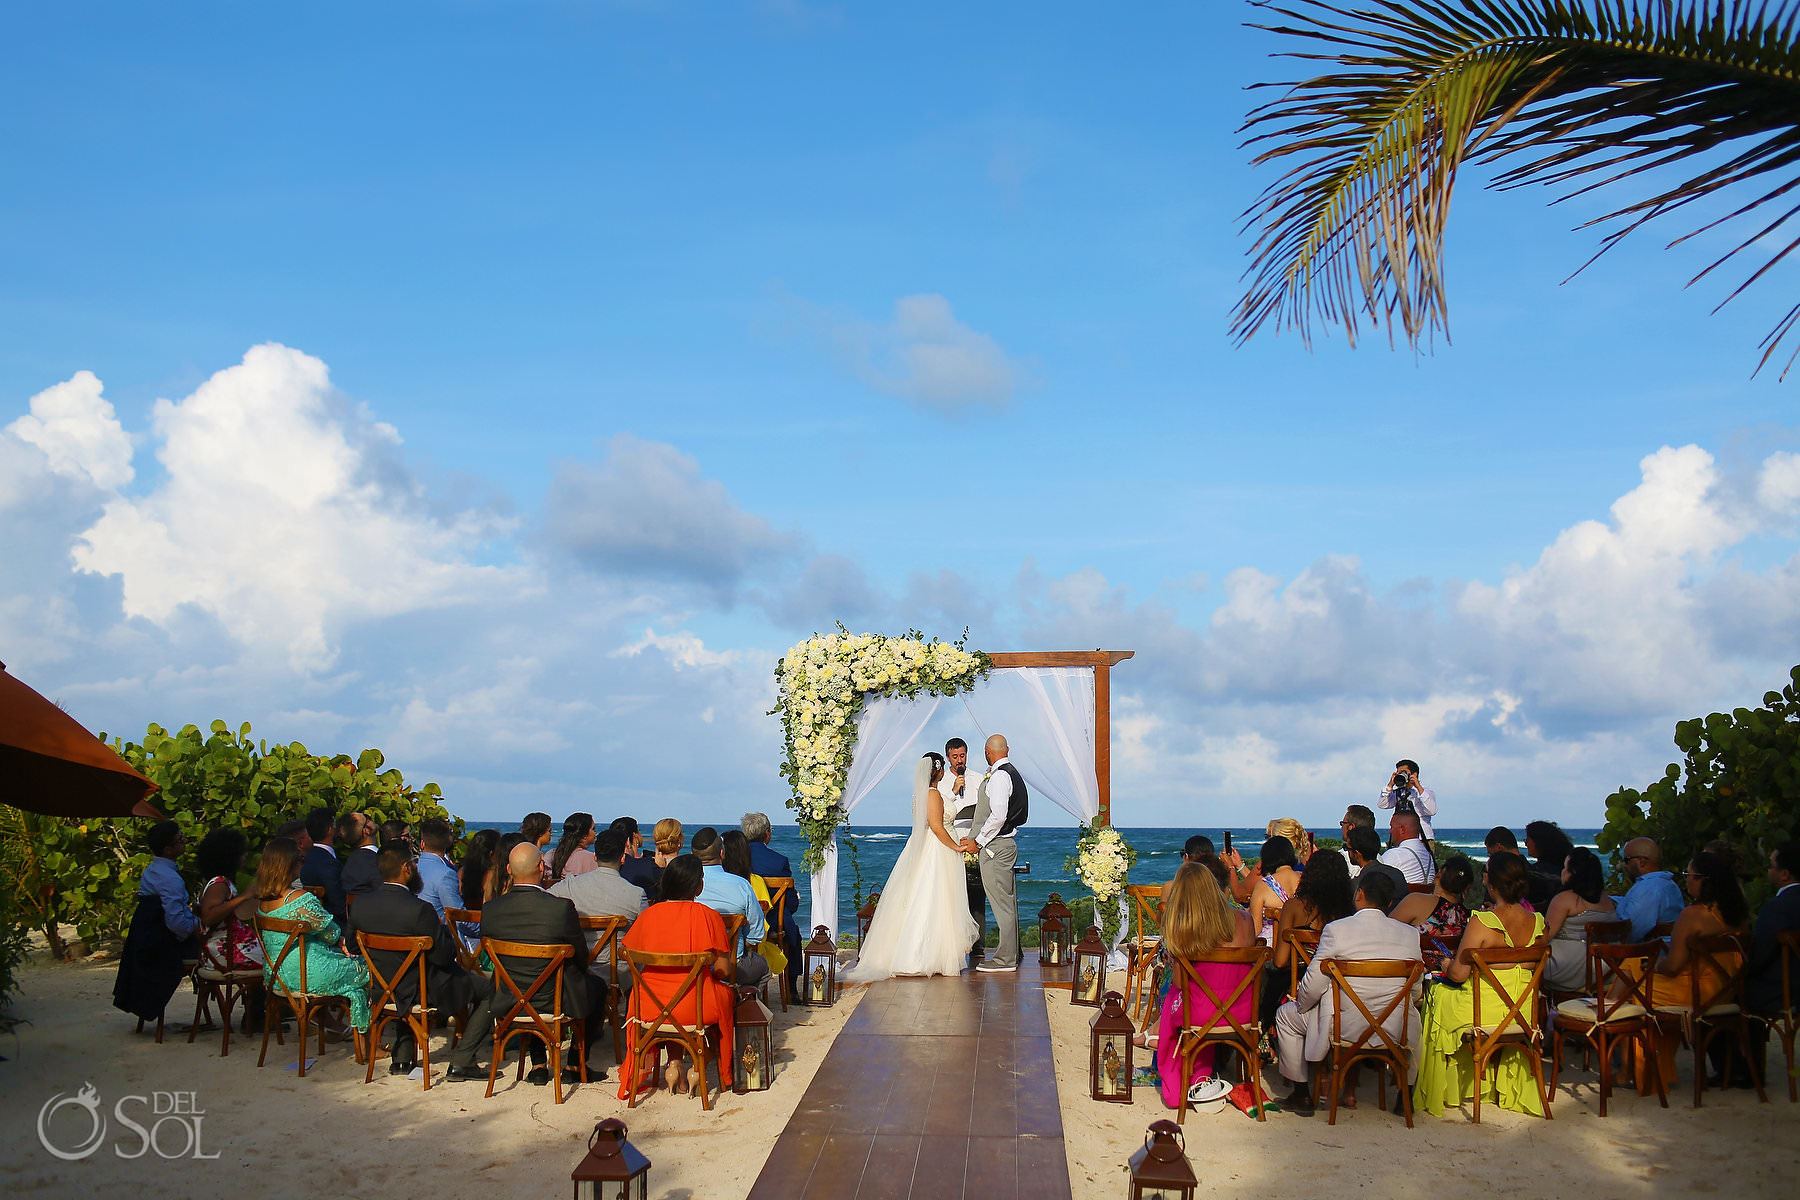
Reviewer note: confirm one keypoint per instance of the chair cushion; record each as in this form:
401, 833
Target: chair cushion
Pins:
243, 975
1717, 1010
1583, 1009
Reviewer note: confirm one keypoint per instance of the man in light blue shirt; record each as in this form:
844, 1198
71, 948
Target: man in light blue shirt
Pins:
163, 881
730, 896
1654, 897
438, 885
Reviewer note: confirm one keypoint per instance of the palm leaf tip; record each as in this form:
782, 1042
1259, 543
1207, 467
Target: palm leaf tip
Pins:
1581, 95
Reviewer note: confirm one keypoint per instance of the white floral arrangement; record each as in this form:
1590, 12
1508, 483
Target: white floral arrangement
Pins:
822, 684
1102, 861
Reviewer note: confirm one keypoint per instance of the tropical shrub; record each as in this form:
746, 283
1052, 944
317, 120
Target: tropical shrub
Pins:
86, 873
1739, 782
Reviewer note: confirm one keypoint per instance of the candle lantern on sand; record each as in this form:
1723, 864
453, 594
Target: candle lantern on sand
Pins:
1160, 1170
1090, 970
1109, 1051
753, 1063
818, 979
1054, 920
613, 1168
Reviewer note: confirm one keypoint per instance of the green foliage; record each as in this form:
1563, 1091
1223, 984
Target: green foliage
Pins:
1739, 782
86, 872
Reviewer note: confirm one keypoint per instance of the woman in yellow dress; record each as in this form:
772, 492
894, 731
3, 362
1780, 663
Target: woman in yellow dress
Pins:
1446, 1062
737, 862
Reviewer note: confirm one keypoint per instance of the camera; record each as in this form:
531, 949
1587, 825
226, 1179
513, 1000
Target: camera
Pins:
1400, 781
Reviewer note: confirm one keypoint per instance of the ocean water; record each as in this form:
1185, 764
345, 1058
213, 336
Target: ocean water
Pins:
1045, 848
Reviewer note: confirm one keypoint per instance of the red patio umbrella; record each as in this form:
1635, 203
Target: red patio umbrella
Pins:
49, 764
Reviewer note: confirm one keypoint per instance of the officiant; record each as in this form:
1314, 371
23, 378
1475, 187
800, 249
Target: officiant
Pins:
959, 799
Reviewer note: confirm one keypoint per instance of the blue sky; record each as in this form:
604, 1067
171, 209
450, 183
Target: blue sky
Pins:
623, 344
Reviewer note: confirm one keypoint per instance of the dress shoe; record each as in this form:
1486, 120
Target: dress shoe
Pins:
1299, 1102
401, 1066
538, 1077
571, 1075
464, 1074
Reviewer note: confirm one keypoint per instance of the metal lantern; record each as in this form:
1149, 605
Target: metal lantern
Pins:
1090, 970
613, 1168
818, 981
1054, 924
865, 916
752, 1063
1109, 1051
1160, 1171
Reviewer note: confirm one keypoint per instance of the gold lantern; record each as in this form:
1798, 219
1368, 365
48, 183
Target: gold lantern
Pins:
818, 979
1160, 1170
1109, 1051
753, 1062
1054, 925
613, 1168
1090, 970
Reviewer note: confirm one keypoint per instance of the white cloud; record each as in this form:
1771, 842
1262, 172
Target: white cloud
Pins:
681, 649
76, 429
282, 514
923, 353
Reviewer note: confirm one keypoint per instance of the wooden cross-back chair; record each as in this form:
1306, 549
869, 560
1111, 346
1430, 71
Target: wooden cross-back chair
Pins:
1193, 1036
1716, 969
1302, 945
454, 918
1517, 1028
611, 930
386, 1008
306, 1006
216, 980
664, 1026
1418, 889
734, 929
523, 1017
1603, 1021
1142, 949
782, 900
1375, 1044
1787, 1022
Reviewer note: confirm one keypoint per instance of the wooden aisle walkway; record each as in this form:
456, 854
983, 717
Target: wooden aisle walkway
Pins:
934, 1088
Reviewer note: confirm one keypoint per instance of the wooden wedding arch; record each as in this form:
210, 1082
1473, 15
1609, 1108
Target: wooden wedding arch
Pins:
1102, 662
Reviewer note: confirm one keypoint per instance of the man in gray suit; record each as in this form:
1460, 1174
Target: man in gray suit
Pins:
1001, 806
604, 892
1303, 1024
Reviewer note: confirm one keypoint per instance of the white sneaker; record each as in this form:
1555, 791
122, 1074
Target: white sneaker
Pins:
993, 968
1208, 1090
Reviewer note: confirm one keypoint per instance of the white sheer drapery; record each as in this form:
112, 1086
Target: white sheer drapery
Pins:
886, 729
1047, 715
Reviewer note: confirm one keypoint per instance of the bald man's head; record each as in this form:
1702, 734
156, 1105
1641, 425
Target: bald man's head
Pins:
525, 864
996, 748
1641, 856
1404, 827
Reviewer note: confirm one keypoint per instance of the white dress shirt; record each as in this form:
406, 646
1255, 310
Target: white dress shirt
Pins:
1412, 858
999, 790
1424, 803
954, 800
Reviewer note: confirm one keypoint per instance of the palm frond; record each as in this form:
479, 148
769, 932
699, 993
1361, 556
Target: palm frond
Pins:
1575, 95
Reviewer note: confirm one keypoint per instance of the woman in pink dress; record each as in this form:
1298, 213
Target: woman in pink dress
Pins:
1197, 919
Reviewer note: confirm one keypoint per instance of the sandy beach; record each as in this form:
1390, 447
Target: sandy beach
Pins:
331, 1135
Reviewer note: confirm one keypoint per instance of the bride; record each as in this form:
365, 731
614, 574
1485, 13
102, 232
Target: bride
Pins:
922, 925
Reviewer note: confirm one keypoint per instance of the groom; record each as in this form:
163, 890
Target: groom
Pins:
959, 799
1000, 808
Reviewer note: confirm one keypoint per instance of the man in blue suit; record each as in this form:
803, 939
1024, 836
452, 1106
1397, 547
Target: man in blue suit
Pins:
770, 863
320, 866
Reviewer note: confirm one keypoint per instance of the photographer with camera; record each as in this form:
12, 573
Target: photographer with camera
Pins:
1404, 794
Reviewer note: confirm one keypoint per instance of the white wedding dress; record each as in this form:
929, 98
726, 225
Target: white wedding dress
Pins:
922, 924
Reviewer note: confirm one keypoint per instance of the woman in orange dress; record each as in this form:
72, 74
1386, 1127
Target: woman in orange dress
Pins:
676, 924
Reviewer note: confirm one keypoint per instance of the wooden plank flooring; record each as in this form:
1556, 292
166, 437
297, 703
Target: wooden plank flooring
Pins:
934, 1088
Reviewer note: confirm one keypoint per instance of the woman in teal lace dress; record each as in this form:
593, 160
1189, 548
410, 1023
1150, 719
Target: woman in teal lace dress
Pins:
329, 970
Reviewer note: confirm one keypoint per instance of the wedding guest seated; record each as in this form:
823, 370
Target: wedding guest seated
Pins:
1549, 849
296, 830
478, 875
1303, 1026
636, 866
573, 856
603, 892
502, 855
1446, 1065
1364, 845
163, 929
356, 834
224, 912
1356, 816
527, 913
679, 924
1197, 919
736, 860
1582, 901
320, 868
1654, 898
535, 828
394, 833
1440, 913
438, 883
728, 895
1199, 849
330, 971
1325, 894
1408, 853
391, 910
1500, 838
668, 841
770, 863
1779, 914
1280, 875
1297, 835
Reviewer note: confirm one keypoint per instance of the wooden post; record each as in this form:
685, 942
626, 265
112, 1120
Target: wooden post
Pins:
1102, 662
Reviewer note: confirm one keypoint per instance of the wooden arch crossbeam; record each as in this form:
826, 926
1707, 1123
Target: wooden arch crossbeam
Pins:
1102, 662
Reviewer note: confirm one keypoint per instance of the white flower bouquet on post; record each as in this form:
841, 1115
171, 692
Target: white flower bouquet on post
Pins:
1102, 861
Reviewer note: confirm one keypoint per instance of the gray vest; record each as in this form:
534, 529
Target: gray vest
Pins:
1016, 807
